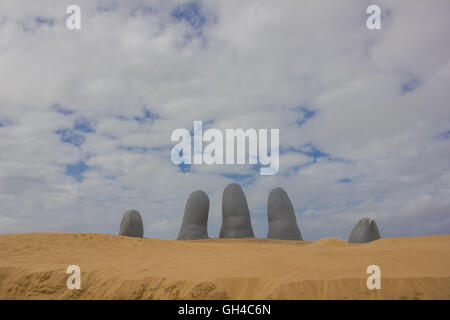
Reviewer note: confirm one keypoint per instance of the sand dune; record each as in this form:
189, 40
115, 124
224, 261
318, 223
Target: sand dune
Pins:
33, 265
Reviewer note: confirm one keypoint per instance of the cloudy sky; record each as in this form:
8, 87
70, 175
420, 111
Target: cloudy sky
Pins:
86, 115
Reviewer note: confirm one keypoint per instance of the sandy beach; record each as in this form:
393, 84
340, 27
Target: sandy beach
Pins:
33, 266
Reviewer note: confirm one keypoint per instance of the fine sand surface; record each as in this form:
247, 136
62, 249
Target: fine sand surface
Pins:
33, 265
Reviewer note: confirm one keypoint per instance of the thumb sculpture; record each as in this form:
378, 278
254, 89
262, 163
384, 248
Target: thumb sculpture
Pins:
281, 217
131, 224
235, 214
366, 230
195, 219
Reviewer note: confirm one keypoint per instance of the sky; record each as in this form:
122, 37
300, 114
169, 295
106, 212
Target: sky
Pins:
86, 115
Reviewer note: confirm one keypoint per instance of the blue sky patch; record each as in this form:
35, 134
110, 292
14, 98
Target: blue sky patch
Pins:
83, 125
142, 10
184, 167
443, 135
135, 149
68, 136
47, 21
148, 116
307, 114
236, 176
5, 122
411, 84
345, 180
242, 179
60, 109
311, 151
191, 13
76, 170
